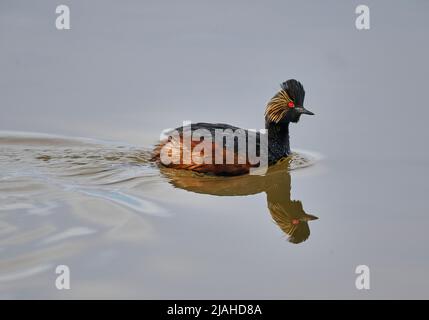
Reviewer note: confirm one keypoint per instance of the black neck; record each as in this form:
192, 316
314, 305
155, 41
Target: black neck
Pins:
278, 141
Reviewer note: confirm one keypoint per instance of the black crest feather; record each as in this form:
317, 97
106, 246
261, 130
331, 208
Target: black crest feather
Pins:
295, 90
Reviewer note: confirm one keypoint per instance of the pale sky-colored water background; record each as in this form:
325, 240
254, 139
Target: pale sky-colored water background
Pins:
129, 69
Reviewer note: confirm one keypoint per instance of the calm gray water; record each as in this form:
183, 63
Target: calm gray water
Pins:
126, 71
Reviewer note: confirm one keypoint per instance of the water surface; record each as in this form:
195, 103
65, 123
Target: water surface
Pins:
128, 70
63, 198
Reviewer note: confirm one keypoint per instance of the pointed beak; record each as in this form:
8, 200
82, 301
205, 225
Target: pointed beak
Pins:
302, 110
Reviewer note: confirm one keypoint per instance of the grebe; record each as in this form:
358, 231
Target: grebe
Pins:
285, 107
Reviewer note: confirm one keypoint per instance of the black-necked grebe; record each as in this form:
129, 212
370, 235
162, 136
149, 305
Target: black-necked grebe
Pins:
285, 107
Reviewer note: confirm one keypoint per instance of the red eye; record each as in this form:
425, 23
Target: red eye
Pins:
290, 104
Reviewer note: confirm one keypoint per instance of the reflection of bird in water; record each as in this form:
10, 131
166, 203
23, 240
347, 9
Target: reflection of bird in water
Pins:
288, 214
284, 108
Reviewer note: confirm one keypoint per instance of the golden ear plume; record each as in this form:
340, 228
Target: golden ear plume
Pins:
277, 106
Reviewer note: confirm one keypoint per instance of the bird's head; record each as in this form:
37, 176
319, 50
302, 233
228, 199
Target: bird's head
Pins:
288, 104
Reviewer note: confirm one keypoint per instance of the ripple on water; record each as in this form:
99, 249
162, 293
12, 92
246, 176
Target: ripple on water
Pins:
55, 192
33, 162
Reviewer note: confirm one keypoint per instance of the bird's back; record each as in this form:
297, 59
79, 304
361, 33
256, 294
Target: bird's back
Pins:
230, 137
